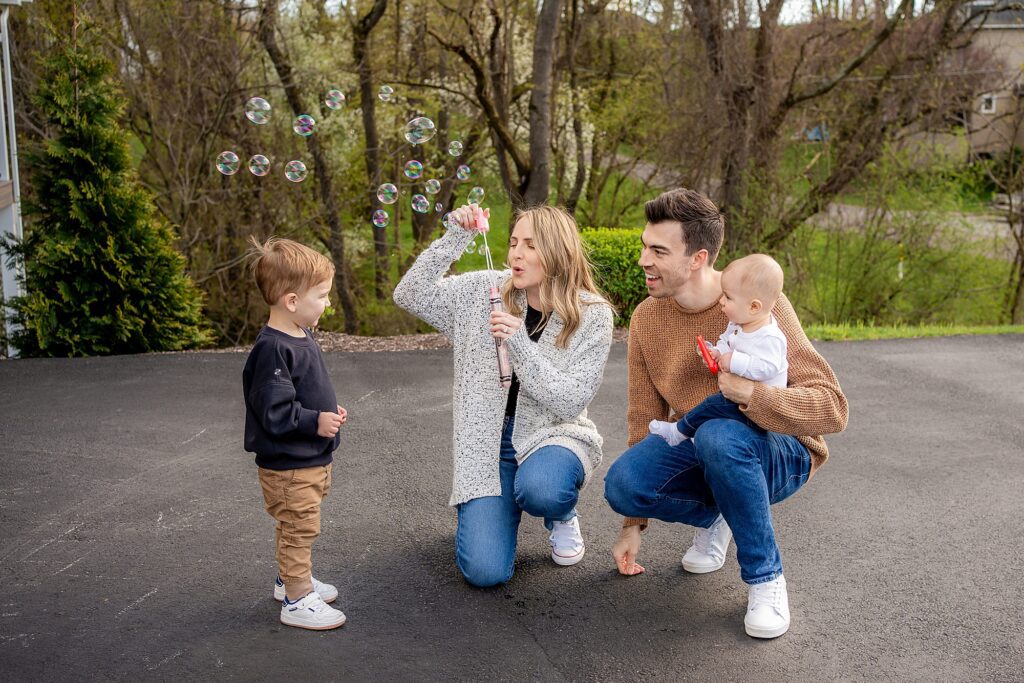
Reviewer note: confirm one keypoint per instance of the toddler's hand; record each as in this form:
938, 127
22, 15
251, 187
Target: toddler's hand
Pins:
723, 362
328, 424
344, 414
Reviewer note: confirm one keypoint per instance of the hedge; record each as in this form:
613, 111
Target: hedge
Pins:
615, 252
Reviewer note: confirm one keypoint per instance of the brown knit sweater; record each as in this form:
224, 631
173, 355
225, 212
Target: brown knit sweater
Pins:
667, 377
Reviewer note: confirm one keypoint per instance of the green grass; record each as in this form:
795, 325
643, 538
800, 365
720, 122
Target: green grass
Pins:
862, 332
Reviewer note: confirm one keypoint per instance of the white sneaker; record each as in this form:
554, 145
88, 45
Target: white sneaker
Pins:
707, 554
567, 546
311, 612
667, 431
327, 592
767, 609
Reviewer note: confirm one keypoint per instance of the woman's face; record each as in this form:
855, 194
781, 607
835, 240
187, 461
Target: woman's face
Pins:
527, 270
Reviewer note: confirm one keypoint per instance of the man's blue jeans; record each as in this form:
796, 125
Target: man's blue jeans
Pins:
730, 468
546, 485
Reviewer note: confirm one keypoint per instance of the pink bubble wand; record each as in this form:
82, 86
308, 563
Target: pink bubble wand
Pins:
504, 371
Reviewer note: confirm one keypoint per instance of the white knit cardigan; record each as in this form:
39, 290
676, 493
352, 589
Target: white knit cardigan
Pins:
555, 385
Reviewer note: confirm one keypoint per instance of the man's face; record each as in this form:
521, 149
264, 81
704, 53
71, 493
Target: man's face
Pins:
664, 259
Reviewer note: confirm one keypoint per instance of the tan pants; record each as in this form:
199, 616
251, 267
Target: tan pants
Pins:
293, 498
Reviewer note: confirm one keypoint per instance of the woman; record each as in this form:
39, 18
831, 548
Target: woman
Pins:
529, 447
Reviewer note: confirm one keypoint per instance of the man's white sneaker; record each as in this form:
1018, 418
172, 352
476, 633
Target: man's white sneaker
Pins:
567, 546
667, 431
327, 592
767, 609
707, 554
311, 612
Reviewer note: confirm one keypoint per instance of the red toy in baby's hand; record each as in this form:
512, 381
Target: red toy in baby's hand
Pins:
708, 360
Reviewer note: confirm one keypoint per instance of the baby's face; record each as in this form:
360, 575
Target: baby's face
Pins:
735, 300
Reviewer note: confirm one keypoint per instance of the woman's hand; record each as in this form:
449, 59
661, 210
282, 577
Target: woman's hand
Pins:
504, 325
468, 217
625, 550
735, 388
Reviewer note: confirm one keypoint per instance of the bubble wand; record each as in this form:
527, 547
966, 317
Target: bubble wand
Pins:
504, 373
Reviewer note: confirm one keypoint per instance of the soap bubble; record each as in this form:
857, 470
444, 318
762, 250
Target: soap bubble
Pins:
295, 171
439, 207
259, 165
257, 110
303, 125
334, 99
380, 218
462, 172
476, 195
455, 148
413, 170
385, 93
432, 186
419, 130
420, 204
227, 163
471, 248
449, 220
387, 193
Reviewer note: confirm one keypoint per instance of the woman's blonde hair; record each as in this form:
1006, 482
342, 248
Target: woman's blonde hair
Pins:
568, 271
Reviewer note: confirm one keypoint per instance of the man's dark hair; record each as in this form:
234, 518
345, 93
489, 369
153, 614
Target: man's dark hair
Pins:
703, 223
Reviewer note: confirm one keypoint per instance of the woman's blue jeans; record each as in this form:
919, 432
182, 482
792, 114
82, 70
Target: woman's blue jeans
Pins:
730, 468
546, 485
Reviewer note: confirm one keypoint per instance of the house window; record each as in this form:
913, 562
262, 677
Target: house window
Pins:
988, 104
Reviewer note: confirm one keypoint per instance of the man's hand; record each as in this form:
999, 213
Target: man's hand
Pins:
735, 388
625, 551
328, 423
344, 414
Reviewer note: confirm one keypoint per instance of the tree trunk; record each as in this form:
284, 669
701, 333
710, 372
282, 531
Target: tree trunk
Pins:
535, 185
361, 54
268, 22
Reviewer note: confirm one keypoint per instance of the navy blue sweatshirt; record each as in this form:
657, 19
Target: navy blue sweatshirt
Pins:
286, 387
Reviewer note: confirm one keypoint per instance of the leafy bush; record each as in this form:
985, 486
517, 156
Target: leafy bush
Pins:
102, 274
615, 252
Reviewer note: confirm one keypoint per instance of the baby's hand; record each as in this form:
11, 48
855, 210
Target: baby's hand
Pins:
344, 414
328, 424
715, 353
723, 362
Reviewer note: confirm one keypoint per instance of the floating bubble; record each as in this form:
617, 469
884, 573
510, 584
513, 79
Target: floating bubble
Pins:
227, 163
439, 207
303, 125
334, 99
476, 195
449, 220
413, 170
385, 93
432, 186
462, 172
387, 193
455, 148
380, 218
420, 204
257, 110
259, 165
471, 248
295, 171
419, 130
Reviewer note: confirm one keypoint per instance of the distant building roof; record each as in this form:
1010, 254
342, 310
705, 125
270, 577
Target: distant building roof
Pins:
997, 13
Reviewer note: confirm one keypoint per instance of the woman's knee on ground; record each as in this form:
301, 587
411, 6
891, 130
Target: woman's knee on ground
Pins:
484, 571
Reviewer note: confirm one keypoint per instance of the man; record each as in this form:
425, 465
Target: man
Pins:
725, 479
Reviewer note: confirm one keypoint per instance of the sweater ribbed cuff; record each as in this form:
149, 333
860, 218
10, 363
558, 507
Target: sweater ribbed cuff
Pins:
641, 522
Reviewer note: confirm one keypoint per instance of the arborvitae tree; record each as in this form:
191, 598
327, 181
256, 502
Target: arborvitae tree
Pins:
102, 275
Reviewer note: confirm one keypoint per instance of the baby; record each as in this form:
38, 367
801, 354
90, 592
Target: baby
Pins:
752, 345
